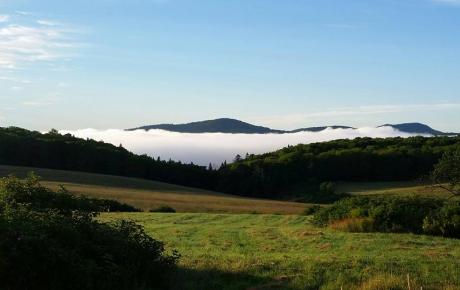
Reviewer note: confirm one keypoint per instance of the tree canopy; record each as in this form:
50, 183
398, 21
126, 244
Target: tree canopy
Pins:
294, 169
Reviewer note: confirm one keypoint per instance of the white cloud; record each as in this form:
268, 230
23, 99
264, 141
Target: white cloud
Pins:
4, 18
37, 103
217, 147
48, 23
14, 80
25, 44
23, 13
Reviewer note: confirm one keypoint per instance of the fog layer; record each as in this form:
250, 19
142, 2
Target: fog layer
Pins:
214, 148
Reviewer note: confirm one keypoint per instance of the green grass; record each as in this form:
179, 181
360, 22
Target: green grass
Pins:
222, 251
146, 194
399, 188
270, 251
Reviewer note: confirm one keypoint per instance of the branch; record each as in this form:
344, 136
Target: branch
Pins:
452, 191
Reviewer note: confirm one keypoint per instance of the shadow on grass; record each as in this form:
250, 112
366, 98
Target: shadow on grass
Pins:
212, 279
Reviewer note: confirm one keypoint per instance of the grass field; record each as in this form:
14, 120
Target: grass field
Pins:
270, 251
403, 188
222, 251
147, 194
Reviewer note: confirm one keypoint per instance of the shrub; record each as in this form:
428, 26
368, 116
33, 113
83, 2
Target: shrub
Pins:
327, 187
323, 193
444, 222
164, 209
46, 243
393, 214
311, 209
38, 197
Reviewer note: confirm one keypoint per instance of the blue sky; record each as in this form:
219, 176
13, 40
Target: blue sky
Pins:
284, 64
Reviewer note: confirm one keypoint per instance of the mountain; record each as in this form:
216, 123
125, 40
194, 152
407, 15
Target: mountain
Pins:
318, 129
415, 128
227, 125
222, 125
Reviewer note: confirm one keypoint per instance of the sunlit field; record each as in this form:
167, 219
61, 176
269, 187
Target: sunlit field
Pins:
221, 251
147, 195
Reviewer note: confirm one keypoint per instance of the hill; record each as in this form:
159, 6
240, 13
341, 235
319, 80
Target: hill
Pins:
416, 128
299, 169
290, 172
319, 129
146, 194
21, 147
227, 125
223, 125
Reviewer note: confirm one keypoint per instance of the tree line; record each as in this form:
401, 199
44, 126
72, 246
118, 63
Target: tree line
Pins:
293, 169
52, 150
360, 159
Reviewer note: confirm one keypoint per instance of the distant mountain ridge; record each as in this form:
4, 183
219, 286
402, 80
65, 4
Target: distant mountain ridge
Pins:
417, 128
233, 126
320, 128
222, 125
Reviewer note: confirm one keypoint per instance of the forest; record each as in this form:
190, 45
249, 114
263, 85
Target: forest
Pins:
278, 174
361, 159
52, 150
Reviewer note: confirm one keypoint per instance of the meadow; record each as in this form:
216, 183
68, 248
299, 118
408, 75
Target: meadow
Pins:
146, 194
396, 188
249, 251
224, 244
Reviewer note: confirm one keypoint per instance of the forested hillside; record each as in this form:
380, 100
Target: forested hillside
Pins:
271, 175
30, 148
361, 159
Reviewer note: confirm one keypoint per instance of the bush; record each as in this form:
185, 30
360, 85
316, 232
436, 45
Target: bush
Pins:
327, 187
444, 222
38, 197
323, 193
164, 209
393, 214
46, 243
311, 209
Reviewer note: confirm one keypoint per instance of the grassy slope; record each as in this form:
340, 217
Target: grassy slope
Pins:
402, 188
221, 251
147, 194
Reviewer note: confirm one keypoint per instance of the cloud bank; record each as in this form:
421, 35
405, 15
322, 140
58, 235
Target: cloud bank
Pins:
216, 147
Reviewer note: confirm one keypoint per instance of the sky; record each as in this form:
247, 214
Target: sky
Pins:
284, 64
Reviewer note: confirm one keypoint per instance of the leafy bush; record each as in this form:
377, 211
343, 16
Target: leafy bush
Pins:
311, 209
163, 208
328, 187
323, 193
444, 222
38, 197
393, 214
49, 242
446, 173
